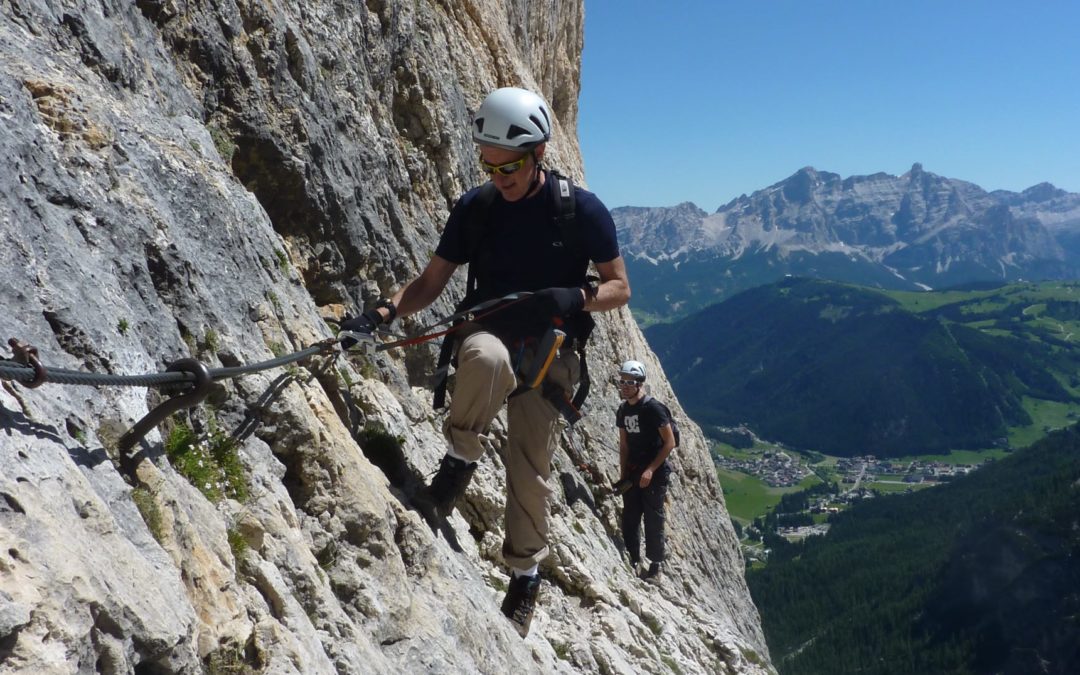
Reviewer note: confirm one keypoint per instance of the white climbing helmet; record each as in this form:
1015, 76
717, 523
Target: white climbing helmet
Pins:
634, 369
512, 118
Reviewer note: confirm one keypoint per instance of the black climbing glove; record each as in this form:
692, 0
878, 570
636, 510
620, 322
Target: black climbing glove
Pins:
560, 301
365, 324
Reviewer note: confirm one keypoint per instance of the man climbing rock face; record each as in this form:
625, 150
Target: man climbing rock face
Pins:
519, 242
646, 438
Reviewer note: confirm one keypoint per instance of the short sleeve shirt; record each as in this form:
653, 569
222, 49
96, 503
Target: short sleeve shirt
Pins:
642, 422
523, 247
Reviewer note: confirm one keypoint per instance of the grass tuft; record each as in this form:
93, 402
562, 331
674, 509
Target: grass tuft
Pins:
211, 464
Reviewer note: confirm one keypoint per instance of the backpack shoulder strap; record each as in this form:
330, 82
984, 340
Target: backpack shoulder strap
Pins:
475, 226
566, 220
476, 222
566, 212
656, 403
673, 422
666, 409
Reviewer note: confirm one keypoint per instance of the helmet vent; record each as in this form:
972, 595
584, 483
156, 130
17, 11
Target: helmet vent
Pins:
545, 125
480, 125
514, 131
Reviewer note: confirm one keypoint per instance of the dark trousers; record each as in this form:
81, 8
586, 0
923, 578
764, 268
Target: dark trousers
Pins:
645, 504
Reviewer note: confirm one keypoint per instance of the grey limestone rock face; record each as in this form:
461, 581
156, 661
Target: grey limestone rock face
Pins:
212, 180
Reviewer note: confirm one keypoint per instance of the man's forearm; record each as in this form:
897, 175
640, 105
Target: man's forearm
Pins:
609, 295
415, 296
661, 456
424, 289
614, 288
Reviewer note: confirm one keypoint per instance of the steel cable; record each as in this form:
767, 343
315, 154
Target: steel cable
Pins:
10, 370
13, 370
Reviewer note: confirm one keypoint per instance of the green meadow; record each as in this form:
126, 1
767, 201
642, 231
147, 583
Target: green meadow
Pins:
748, 497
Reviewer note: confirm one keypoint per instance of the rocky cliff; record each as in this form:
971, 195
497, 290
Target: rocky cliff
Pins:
214, 179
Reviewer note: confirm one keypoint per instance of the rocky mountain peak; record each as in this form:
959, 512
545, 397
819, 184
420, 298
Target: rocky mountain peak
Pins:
1043, 192
799, 188
918, 230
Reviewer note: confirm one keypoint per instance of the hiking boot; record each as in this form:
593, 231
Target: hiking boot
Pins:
520, 601
437, 500
652, 575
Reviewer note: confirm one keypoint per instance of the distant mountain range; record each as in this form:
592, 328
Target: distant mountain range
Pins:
909, 232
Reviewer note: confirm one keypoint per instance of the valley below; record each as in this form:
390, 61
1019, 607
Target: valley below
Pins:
902, 469
888, 370
770, 489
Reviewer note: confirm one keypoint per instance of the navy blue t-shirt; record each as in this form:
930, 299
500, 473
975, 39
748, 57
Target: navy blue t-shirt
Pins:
642, 422
523, 248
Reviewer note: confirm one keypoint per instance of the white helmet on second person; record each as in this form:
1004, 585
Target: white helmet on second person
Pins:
633, 369
512, 118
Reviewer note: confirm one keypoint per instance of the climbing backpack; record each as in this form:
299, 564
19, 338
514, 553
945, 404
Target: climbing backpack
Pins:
476, 225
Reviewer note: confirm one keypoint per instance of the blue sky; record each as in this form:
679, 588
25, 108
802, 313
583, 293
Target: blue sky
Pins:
703, 100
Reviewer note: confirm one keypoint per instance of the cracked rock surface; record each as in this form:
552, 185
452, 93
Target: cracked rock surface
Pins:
213, 180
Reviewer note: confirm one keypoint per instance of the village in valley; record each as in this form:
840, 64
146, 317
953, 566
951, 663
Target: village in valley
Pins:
757, 476
774, 468
780, 468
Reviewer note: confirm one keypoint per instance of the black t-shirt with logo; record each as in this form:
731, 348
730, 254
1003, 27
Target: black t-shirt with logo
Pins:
523, 248
642, 422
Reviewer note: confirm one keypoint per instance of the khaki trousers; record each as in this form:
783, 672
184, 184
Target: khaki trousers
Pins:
484, 378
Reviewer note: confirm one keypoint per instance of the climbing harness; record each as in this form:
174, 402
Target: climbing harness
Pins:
532, 375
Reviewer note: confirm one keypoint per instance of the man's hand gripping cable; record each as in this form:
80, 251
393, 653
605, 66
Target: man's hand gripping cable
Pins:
366, 344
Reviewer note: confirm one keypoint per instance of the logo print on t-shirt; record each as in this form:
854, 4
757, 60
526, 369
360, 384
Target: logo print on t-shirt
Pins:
632, 424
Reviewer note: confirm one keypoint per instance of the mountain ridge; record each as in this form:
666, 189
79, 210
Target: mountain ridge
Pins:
918, 230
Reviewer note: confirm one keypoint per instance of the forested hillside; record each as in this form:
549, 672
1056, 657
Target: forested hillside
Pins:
850, 371
980, 576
